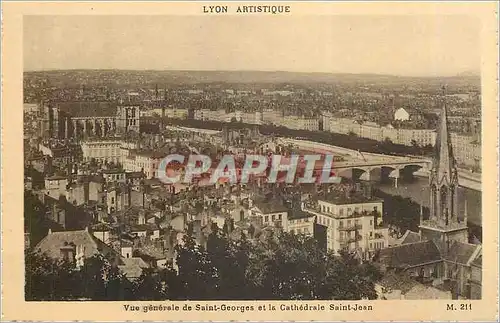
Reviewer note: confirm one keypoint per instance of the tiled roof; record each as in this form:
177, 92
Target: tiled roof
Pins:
134, 175
52, 243
339, 198
410, 237
152, 251
394, 281
144, 227
461, 252
410, 254
272, 206
151, 153
88, 109
478, 262
132, 267
101, 227
299, 214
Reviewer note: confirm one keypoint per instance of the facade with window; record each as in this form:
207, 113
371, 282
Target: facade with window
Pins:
101, 150
114, 176
352, 224
145, 161
300, 222
272, 213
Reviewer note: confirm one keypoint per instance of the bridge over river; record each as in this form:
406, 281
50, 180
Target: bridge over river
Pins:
368, 166
377, 167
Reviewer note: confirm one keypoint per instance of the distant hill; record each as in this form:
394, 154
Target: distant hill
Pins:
469, 74
147, 77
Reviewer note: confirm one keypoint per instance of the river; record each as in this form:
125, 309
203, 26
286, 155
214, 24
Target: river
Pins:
418, 191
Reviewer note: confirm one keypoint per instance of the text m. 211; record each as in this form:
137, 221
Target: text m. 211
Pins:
459, 307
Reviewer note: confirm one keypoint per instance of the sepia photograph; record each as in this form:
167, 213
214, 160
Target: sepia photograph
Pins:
102, 113
247, 153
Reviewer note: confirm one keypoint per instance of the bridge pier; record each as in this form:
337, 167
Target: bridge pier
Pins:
395, 174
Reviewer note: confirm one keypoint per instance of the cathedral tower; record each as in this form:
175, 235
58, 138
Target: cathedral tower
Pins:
444, 224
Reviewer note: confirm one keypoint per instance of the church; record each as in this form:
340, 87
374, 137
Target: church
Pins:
80, 120
440, 254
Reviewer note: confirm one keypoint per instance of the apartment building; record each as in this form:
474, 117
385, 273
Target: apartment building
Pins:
101, 150
146, 161
352, 222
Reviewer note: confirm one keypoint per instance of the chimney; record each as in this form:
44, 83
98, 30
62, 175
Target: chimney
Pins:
142, 218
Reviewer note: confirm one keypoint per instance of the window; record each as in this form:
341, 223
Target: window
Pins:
371, 234
328, 209
306, 230
273, 217
266, 218
349, 211
371, 222
341, 212
348, 223
323, 208
341, 224
112, 200
279, 217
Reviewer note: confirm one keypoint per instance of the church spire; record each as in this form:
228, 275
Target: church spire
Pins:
444, 161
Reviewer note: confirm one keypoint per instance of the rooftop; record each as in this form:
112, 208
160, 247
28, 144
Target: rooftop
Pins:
337, 198
443, 226
132, 267
461, 252
478, 262
51, 244
410, 254
401, 282
271, 206
88, 109
410, 237
296, 214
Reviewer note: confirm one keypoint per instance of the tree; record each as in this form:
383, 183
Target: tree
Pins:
52, 279
34, 218
278, 266
294, 267
151, 286
195, 273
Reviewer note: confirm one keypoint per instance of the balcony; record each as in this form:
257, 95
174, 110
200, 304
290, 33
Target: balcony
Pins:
349, 239
377, 236
352, 227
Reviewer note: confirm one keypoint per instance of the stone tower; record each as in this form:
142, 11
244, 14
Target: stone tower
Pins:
444, 224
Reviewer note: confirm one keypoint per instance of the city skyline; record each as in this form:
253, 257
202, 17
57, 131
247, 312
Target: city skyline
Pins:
262, 44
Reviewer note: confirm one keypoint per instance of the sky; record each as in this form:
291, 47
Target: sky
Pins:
396, 45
